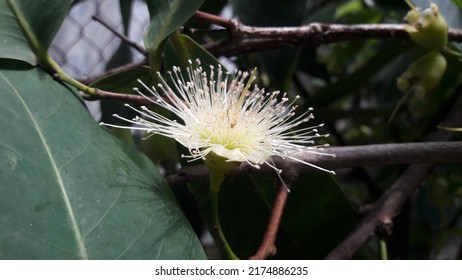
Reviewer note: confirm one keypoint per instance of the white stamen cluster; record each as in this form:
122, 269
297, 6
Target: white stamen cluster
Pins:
223, 116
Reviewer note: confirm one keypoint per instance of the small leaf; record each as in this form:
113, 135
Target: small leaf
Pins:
181, 48
166, 16
70, 190
352, 6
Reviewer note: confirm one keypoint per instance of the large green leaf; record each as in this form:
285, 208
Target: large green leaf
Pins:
70, 190
28, 27
166, 16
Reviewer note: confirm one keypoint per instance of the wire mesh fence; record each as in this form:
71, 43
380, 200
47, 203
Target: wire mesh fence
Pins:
83, 46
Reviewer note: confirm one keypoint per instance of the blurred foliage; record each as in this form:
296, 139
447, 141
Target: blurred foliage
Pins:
352, 86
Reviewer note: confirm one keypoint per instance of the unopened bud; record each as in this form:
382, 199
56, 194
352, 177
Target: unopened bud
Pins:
427, 28
423, 75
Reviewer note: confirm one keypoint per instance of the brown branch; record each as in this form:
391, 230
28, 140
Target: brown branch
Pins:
346, 157
122, 37
268, 246
391, 203
244, 38
221, 21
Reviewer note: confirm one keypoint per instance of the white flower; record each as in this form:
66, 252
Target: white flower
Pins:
222, 116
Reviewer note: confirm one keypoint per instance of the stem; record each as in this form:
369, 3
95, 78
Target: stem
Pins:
121, 36
224, 22
453, 129
400, 103
410, 4
452, 52
217, 226
268, 245
383, 249
63, 76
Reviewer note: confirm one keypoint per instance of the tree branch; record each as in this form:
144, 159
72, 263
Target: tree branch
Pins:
346, 157
268, 245
244, 38
122, 37
391, 203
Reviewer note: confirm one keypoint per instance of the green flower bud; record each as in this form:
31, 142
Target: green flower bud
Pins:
427, 28
423, 75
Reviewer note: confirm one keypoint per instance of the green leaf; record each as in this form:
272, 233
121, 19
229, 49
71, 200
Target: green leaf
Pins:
123, 81
458, 3
126, 13
166, 16
28, 27
181, 48
352, 6
71, 190
123, 54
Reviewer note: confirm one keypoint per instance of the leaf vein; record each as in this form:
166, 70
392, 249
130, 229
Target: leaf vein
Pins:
59, 179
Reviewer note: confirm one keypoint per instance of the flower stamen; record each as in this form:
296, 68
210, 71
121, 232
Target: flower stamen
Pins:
224, 116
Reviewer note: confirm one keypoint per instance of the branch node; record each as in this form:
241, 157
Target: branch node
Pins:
385, 227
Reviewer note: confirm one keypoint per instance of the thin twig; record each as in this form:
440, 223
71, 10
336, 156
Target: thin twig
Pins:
221, 21
345, 157
124, 68
131, 98
268, 245
124, 38
391, 203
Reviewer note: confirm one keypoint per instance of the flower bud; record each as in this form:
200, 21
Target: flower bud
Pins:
423, 75
427, 28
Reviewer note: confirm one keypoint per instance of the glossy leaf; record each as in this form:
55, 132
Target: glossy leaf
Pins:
181, 48
166, 16
71, 190
28, 27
